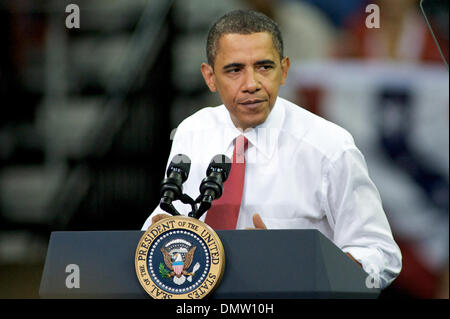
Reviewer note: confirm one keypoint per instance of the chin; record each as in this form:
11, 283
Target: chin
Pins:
254, 122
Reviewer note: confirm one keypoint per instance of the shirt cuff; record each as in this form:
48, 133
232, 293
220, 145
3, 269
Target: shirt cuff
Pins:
372, 262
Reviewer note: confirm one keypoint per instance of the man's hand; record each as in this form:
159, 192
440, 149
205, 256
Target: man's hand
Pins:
159, 217
257, 222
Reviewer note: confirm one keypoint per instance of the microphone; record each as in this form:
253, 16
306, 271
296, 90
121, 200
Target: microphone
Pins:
211, 187
171, 187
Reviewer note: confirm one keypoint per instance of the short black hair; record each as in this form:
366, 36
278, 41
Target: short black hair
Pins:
242, 22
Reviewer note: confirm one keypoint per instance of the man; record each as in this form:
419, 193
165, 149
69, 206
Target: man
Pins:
300, 170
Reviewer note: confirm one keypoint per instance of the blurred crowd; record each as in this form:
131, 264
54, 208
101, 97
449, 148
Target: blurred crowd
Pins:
387, 85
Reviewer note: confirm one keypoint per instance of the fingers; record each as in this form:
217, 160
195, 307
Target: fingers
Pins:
159, 217
258, 223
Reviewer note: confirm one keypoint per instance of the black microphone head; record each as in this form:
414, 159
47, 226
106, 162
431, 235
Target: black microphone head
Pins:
220, 163
181, 164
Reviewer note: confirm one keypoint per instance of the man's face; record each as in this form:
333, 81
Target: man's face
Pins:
247, 74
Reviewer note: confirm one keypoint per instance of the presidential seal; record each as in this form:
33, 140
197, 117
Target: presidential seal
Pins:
179, 258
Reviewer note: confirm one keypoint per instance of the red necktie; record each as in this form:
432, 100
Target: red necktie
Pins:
224, 211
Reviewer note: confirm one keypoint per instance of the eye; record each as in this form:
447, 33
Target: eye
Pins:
233, 70
265, 67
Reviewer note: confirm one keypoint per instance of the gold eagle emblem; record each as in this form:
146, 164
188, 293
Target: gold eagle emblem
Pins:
176, 264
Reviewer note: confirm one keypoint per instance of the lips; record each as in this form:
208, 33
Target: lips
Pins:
252, 103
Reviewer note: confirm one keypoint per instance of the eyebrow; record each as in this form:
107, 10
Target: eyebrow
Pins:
241, 65
233, 65
265, 62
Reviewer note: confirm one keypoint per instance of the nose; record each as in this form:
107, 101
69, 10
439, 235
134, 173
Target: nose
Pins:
251, 82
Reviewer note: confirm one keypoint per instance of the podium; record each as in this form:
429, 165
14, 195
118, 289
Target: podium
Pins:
258, 264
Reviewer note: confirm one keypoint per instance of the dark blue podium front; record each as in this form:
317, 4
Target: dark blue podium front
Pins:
259, 264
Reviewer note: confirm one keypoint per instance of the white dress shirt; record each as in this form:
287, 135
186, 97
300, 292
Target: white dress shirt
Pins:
302, 172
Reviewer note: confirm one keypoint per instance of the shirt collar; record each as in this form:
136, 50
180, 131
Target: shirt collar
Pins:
264, 136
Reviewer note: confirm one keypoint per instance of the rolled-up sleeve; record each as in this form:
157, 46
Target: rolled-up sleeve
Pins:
355, 212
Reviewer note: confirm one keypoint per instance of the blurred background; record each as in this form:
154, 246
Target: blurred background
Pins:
87, 113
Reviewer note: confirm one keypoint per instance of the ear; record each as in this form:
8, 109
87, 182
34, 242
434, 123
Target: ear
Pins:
285, 64
208, 76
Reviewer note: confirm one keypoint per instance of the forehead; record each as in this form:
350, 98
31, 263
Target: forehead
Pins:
234, 47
